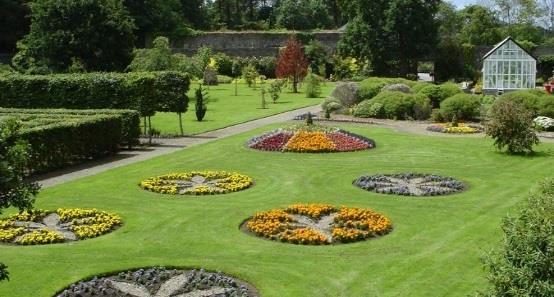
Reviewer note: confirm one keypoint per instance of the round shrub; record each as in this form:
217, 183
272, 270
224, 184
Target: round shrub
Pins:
331, 104
420, 85
370, 87
346, 93
398, 88
529, 99
438, 93
463, 106
398, 105
546, 106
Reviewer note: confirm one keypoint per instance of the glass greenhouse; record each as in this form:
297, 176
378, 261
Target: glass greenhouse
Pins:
508, 67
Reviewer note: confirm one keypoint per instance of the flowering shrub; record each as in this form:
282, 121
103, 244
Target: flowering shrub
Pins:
544, 123
318, 224
310, 139
160, 281
197, 183
410, 184
44, 227
460, 129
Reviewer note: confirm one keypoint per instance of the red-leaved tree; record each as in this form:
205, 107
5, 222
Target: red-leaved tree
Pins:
292, 63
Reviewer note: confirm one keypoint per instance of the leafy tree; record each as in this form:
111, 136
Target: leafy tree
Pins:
317, 56
14, 23
292, 63
511, 126
391, 35
195, 13
293, 15
275, 89
449, 20
158, 58
157, 17
249, 73
479, 26
99, 33
523, 265
14, 158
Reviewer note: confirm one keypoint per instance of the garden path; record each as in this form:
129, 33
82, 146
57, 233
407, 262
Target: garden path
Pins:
162, 147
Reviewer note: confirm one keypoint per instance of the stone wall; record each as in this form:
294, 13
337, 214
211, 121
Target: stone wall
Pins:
245, 44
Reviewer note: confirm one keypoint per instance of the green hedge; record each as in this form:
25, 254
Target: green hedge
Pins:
370, 87
396, 105
538, 102
64, 137
438, 93
463, 106
146, 92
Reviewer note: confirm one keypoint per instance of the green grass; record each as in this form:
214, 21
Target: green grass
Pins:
434, 249
226, 109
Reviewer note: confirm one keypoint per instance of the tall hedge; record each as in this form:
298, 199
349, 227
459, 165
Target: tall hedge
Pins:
63, 137
146, 92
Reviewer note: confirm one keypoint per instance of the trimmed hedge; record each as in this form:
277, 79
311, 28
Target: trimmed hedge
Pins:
397, 105
146, 92
438, 93
370, 87
61, 137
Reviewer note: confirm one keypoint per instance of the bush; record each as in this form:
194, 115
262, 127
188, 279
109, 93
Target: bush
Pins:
224, 79
438, 93
346, 93
523, 265
398, 88
201, 103
368, 109
146, 92
60, 137
398, 105
370, 87
313, 85
331, 105
537, 101
420, 85
210, 76
463, 106
511, 126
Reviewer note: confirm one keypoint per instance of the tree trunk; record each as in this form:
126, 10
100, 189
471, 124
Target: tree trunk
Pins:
295, 84
149, 131
181, 124
236, 86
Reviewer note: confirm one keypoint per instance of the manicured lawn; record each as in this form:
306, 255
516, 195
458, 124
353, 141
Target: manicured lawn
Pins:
434, 249
226, 109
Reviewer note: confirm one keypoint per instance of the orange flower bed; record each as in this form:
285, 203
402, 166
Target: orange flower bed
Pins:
306, 141
314, 211
345, 224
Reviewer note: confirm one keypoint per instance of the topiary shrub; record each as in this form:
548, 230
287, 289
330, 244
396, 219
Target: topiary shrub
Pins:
522, 266
346, 93
398, 105
462, 106
511, 126
368, 109
438, 93
398, 88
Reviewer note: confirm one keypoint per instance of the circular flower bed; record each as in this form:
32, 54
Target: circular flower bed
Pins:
44, 227
460, 129
197, 183
410, 184
310, 139
161, 282
318, 224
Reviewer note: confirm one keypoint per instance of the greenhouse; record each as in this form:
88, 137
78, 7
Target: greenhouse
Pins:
508, 66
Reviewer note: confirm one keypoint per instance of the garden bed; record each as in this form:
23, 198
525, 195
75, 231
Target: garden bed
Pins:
310, 139
410, 184
197, 183
317, 224
455, 129
161, 282
63, 225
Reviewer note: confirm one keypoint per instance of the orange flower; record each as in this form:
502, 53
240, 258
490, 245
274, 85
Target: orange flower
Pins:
306, 141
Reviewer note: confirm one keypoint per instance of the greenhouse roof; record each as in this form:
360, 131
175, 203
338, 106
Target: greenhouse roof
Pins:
501, 43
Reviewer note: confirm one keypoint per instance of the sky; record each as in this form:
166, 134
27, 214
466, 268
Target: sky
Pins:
462, 3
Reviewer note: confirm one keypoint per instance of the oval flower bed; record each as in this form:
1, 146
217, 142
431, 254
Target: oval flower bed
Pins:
197, 183
44, 227
161, 282
318, 224
460, 129
410, 184
310, 139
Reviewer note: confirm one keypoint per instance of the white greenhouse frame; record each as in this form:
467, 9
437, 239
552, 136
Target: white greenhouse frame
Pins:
508, 67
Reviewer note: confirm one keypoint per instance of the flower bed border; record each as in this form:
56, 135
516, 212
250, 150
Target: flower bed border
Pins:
463, 185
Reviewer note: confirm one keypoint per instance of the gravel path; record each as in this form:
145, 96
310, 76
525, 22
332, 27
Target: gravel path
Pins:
162, 147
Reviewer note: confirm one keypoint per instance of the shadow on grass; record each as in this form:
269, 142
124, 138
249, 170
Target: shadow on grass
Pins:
532, 155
